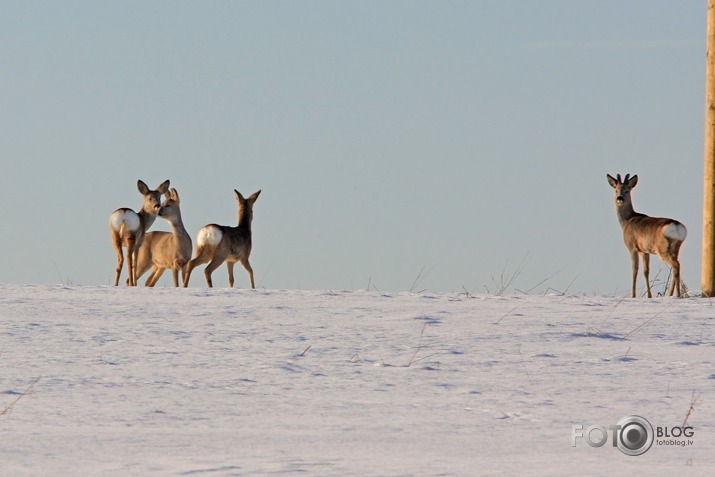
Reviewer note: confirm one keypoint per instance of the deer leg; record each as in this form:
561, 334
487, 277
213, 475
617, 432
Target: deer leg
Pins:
140, 267
673, 284
179, 266
120, 259
131, 262
634, 267
148, 282
248, 268
187, 272
213, 265
646, 272
154, 277
675, 267
229, 266
135, 276
676, 279
202, 256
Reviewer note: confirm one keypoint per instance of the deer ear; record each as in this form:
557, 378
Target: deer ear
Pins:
239, 197
175, 195
163, 187
634, 180
143, 188
254, 196
611, 180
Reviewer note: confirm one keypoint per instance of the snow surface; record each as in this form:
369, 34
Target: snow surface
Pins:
229, 382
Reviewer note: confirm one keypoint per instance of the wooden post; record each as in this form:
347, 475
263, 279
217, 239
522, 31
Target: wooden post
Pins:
708, 255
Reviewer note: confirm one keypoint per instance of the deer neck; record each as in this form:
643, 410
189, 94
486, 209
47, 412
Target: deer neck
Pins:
625, 212
245, 217
177, 227
146, 219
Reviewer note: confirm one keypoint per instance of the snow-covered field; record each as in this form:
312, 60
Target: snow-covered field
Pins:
196, 382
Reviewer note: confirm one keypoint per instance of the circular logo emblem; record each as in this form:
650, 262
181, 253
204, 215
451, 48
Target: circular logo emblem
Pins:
635, 435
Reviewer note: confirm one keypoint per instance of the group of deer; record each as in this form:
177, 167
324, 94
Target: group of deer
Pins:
159, 251
215, 244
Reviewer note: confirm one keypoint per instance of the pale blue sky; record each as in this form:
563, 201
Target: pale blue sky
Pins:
461, 138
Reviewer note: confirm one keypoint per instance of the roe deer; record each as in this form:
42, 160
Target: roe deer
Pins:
162, 250
127, 228
219, 243
645, 235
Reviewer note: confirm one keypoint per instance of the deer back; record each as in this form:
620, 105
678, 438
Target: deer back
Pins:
652, 234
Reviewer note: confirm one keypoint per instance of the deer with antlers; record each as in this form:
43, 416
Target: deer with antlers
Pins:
127, 228
221, 243
644, 235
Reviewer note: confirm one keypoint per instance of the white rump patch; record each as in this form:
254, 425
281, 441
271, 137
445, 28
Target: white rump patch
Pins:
675, 232
209, 235
129, 218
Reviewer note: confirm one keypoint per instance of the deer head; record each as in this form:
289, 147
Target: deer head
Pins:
622, 188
